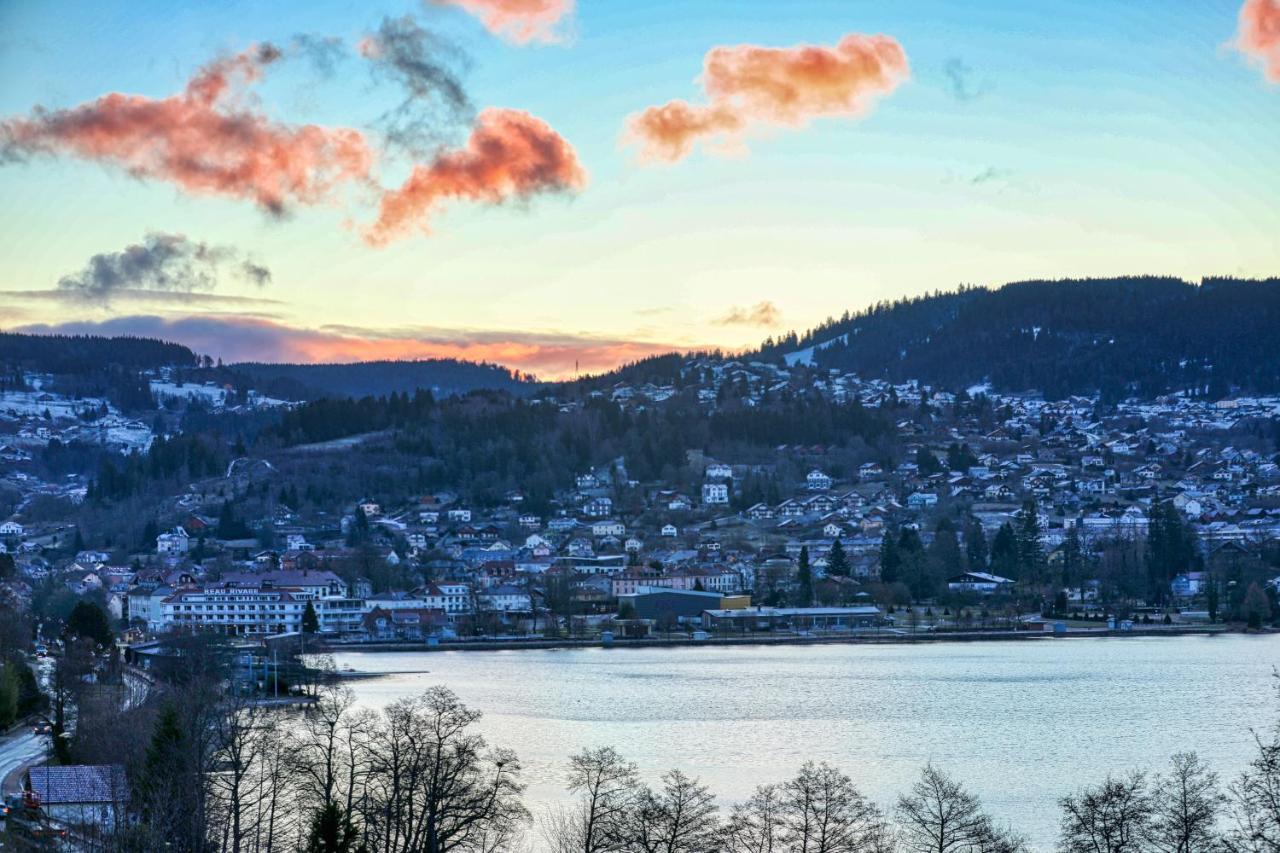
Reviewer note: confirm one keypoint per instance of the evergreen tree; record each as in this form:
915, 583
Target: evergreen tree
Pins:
975, 545
890, 559
944, 559
90, 621
332, 832
837, 561
1004, 552
1030, 551
310, 621
804, 579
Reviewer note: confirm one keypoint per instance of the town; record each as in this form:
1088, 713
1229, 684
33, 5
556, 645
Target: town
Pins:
1000, 512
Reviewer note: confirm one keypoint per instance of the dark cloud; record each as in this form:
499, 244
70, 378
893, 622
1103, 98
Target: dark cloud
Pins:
991, 174
962, 82
761, 314
161, 262
324, 53
428, 67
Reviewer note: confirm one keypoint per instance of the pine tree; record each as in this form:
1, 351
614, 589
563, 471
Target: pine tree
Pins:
890, 559
310, 621
1030, 551
332, 832
1004, 552
837, 562
975, 545
804, 579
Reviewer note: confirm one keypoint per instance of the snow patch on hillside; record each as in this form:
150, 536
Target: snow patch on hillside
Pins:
805, 356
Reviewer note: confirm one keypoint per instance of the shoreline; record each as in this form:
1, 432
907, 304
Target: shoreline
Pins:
763, 639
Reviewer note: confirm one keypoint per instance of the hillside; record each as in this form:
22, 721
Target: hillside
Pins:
79, 354
441, 377
1116, 337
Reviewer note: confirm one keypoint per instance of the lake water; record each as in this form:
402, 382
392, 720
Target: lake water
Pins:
1021, 723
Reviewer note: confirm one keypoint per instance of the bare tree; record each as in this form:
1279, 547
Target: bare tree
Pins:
1111, 818
679, 818
434, 786
824, 813
756, 826
1255, 802
607, 788
940, 816
1185, 808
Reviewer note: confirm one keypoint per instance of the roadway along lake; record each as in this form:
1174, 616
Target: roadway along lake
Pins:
1021, 723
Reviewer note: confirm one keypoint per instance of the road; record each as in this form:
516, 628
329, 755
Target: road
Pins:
19, 749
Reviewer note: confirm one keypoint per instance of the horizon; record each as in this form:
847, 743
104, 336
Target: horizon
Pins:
572, 187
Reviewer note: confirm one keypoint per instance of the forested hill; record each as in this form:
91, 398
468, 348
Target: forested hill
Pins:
442, 377
1115, 336
84, 354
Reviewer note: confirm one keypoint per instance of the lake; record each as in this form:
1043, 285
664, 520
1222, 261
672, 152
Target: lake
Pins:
1021, 723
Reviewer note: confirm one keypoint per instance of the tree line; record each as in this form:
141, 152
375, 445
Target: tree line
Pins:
1141, 335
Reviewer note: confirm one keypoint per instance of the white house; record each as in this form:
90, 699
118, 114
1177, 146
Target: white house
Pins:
979, 582
817, 481
670, 530
175, 542
719, 471
11, 528
608, 528
715, 493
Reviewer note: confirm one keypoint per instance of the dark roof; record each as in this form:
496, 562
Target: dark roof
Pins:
79, 783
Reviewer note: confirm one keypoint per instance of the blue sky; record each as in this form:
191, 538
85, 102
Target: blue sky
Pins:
1104, 138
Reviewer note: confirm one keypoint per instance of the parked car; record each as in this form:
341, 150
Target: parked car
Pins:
42, 650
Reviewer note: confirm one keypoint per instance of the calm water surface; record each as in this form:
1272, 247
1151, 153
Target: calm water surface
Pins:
1021, 723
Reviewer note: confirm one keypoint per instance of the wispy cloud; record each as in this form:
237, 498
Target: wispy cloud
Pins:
518, 21
991, 174
427, 67
761, 314
549, 354
962, 83
749, 86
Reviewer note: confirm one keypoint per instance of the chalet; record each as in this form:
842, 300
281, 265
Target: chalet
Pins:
982, 583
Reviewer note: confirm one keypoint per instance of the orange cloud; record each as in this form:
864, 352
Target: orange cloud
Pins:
510, 154
204, 140
520, 21
748, 86
550, 355
761, 314
1259, 35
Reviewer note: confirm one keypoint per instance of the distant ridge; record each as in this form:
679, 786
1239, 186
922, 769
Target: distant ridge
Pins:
1117, 337
442, 377
77, 354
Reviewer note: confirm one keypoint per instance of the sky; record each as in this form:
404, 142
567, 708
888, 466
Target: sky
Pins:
562, 186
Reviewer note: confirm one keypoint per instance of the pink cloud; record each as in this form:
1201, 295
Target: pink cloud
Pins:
519, 21
204, 140
1259, 35
510, 154
749, 86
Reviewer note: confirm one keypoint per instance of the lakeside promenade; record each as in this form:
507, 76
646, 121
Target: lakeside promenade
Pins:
870, 637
